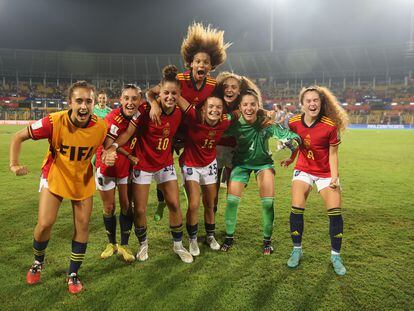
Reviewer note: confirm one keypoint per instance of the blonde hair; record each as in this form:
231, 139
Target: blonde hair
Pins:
204, 39
329, 106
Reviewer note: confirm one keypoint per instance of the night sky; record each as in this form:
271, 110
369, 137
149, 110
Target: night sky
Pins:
156, 26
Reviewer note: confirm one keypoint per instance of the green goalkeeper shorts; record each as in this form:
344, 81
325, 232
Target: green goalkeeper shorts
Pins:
242, 173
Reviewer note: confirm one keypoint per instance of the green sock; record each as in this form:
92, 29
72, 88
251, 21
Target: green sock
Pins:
230, 214
268, 214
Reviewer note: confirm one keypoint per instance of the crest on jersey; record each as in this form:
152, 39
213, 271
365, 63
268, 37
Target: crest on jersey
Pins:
307, 141
189, 171
166, 132
211, 134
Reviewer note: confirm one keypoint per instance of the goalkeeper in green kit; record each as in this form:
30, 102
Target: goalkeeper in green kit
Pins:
253, 155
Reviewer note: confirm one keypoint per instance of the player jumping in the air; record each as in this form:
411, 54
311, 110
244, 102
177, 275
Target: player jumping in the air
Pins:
203, 50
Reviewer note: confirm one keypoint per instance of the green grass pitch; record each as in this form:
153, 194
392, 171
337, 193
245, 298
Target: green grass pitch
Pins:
376, 169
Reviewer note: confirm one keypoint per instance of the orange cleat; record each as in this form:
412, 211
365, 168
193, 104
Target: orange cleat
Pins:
33, 275
74, 284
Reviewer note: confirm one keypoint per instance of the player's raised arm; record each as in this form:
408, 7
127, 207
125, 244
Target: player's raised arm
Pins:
15, 147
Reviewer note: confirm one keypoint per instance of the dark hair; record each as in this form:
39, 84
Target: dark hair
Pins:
102, 92
169, 74
80, 84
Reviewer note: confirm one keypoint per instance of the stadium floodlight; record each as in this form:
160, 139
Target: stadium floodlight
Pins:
344, 104
38, 102
7, 101
288, 104
51, 102
65, 102
394, 104
357, 104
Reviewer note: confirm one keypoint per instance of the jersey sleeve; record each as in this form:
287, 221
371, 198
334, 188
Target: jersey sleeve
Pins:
138, 116
280, 133
334, 137
41, 129
190, 115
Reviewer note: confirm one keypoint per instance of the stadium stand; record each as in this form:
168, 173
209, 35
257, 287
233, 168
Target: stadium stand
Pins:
374, 83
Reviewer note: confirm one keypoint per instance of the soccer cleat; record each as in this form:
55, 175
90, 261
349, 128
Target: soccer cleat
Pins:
295, 257
126, 253
212, 242
33, 276
337, 264
227, 244
193, 247
267, 247
184, 254
142, 253
74, 284
159, 212
110, 249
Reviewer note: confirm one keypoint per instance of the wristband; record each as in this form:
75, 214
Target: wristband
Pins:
115, 145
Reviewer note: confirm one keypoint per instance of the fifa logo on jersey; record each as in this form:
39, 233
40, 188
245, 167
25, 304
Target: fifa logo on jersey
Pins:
76, 153
307, 141
211, 134
166, 131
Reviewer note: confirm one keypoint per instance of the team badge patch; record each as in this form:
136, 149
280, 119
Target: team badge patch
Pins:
189, 171
211, 134
166, 132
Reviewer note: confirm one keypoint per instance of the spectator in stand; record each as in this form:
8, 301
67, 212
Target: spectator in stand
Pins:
288, 114
279, 114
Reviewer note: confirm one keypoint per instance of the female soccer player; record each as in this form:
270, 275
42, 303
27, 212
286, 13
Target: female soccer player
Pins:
110, 177
155, 160
74, 136
319, 126
203, 50
229, 87
199, 166
252, 155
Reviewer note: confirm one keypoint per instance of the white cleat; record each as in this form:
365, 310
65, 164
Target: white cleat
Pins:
212, 242
184, 254
193, 247
142, 254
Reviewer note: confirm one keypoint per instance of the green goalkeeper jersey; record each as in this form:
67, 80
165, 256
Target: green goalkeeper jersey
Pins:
253, 142
101, 113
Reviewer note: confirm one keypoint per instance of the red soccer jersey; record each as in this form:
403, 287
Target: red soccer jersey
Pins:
228, 141
42, 129
200, 147
117, 124
189, 88
154, 143
316, 139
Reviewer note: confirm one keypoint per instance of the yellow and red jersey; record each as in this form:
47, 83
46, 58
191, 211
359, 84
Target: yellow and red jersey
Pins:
153, 147
316, 140
67, 165
201, 139
117, 123
195, 96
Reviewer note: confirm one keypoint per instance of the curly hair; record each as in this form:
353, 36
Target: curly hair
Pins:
244, 84
208, 40
169, 74
329, 106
